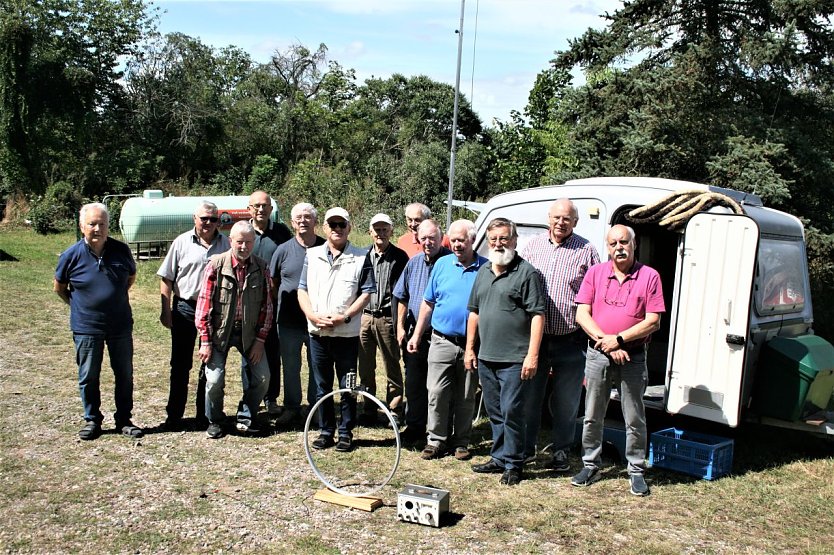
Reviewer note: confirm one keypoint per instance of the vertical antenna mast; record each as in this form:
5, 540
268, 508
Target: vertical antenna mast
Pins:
455, 123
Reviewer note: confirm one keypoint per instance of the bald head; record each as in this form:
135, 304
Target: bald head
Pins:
562, 218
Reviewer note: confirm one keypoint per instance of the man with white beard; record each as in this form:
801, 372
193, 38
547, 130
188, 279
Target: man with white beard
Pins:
506, 316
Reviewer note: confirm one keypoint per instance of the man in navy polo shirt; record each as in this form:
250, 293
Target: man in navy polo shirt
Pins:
93, 277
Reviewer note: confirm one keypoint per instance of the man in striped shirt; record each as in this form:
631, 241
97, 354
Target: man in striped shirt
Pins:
234, 309
561, 258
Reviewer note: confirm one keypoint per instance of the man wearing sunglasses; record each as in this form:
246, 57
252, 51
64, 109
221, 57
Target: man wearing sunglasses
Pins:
180, 275
336, 283
619, 307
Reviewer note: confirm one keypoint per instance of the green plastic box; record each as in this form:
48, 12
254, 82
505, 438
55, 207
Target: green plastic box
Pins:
795, 377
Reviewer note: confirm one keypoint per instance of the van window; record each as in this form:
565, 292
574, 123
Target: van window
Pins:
525, 233
780, 286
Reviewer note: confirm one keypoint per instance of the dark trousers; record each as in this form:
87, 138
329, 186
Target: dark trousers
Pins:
272, 346
183, 337
341, 353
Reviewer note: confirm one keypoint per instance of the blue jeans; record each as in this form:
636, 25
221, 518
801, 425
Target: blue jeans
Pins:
272, 351
254, 378
564, 355
630, 379
291, 341
341, 353
504, 395
89, 354
416, 393
183, 337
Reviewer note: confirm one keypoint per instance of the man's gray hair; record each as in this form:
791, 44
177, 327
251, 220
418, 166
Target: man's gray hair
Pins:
468, 225
93, 206
503, 222
242, 226
207, 205
430, 222
304, 207
424, 210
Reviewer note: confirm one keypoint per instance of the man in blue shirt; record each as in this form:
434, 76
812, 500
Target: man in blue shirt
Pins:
451, 388
409, 294
93, 277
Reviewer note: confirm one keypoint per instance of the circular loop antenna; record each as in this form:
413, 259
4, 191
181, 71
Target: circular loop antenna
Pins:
309, 454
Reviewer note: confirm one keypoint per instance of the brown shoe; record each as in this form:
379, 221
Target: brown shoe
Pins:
432, 452
462, 454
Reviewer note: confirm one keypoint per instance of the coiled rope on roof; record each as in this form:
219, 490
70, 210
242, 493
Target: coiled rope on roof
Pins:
673, 211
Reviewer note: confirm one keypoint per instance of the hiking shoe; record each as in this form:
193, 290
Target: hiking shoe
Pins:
245, 428
345, 444
323, 442
129, 430
490, 467
90, 431
214, 431
638, 485
432, 452
289, 417
272, 408
510, 477
586, 477
559, 462
462, 454
172, 424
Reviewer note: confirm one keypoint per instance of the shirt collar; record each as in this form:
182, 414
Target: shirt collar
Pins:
632, 274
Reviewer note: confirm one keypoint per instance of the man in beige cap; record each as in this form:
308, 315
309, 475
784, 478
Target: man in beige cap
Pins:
378, 321
335, 285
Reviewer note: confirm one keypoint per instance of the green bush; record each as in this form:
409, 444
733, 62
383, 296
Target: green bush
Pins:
56, 210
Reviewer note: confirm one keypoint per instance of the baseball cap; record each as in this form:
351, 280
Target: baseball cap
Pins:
337, 212
381, 218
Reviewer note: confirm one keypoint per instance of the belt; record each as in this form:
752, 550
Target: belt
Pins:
377, 313
459, 340
637, 349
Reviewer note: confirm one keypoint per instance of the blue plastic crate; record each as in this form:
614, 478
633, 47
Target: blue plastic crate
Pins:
703, 455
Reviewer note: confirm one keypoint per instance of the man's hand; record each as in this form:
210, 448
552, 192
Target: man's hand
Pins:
619, 356
413, 344
607, 344
470, 360
165, 317
400, 335
205, 352
322, 321
256, 353
529, 367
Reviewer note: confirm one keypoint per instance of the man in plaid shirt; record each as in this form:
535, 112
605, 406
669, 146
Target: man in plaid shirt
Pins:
234, 309
561, 258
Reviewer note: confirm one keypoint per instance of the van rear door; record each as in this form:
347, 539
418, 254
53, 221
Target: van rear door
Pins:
711, 328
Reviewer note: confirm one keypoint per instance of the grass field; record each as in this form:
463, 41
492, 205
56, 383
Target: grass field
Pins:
180, 492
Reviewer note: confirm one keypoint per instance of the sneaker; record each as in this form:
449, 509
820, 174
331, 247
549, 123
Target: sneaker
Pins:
245, 428
214, 431
432, 452
510, 477
90, 431
638, 485
272, 408
289, 417
559, 462
490, 467
345, 444
586, 477
323, 442
462, 454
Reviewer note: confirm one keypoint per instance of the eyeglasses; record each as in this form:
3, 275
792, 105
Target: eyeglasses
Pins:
260, 206
496, 240
209, 219
337, 225
627, 285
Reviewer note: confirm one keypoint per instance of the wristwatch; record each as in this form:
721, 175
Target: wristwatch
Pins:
620, 341
347, 319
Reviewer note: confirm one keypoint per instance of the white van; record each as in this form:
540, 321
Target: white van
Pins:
737, 340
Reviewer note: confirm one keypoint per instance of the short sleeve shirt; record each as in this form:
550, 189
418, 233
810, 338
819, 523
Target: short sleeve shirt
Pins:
448, 290
185, 261
285, 268
98, 287
617, 306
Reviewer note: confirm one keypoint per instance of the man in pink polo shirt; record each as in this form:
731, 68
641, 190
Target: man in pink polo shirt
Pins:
619, 307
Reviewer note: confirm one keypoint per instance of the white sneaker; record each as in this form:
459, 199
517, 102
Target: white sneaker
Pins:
273, 408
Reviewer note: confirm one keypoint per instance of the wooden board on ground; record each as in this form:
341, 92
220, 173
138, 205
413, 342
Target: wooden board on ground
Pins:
367, 504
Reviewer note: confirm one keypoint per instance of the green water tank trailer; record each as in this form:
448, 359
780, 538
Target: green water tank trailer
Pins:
154, 218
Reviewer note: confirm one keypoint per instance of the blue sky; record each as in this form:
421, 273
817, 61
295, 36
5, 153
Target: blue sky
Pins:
506, 43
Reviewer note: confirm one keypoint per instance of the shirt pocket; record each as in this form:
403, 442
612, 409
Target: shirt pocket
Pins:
636, 307
227, 291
